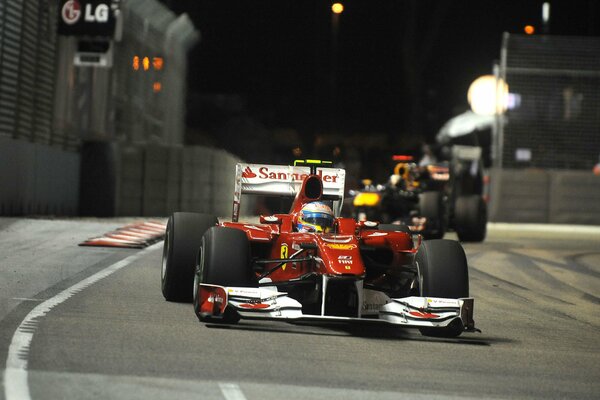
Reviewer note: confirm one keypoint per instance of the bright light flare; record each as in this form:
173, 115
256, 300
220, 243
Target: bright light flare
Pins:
337, 8
488, 95
529, 29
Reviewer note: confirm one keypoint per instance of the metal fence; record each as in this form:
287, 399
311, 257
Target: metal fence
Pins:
553, 121
28, 43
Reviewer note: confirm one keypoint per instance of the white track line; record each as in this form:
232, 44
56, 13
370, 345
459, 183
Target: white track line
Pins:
231, 391
16, 386
559, 228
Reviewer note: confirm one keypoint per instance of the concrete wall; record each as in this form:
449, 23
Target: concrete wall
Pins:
159, 180
543, 196
37, 179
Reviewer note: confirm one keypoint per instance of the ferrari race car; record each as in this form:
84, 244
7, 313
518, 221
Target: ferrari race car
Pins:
312, 265
429, 199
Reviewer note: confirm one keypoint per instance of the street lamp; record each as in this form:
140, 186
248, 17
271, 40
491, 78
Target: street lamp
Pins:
488, 95
337, 8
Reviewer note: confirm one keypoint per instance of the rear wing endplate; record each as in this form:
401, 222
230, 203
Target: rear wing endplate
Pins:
284, 180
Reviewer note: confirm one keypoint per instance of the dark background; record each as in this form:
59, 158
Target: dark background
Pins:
267, 73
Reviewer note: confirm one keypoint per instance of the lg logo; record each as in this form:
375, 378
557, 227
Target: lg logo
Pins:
71, 12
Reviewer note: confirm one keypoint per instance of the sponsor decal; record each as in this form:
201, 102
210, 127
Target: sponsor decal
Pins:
284, 254
215, 298
100, 14
266, 173
443, 302
425, 315
254, 305
71, 12
341, 246
87, 17
248, 173
374, 300
345, 260
244, 292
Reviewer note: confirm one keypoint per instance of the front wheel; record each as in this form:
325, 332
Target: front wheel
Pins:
443, 272
182, 241
224, 260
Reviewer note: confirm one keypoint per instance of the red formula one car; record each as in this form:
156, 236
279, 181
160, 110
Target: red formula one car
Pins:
310, 264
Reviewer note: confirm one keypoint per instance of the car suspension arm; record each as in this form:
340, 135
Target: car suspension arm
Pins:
282, 261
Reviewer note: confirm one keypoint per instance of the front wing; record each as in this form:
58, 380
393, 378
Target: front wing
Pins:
268, 303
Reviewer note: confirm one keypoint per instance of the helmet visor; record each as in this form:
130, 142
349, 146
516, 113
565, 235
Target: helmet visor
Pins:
325, 221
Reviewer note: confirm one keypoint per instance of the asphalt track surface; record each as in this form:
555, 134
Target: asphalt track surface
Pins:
537, 301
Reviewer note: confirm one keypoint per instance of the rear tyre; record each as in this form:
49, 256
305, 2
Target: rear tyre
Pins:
431, 205
470, 216
443, 272
182, 241
224, 260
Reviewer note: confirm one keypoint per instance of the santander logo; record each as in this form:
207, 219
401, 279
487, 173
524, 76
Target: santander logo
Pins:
248, 173
265, 173
71, 12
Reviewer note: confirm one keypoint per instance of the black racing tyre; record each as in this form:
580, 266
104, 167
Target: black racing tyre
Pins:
394, 228
443, 272
182, 241
224, 260
431, 205
470, 218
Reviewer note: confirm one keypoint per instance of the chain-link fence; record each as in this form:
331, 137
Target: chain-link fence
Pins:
553, 121
28, 43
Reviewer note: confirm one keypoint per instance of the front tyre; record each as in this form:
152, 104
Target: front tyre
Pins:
443, 272
224, 260
182, 241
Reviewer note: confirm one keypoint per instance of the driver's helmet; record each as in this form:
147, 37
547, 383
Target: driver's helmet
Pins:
315, 217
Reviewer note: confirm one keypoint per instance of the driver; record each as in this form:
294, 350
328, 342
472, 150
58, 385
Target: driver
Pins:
315, 217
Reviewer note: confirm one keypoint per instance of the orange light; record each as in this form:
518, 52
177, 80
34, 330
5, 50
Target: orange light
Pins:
337, 8
157, 63
136, 63
157, 87
146, 63
529, 29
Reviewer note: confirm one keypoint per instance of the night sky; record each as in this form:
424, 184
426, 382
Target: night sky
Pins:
403, 66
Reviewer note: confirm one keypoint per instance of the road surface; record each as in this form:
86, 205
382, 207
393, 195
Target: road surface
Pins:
537, 302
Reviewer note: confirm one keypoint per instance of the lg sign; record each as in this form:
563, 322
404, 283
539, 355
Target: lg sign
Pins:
86, 17
71, 12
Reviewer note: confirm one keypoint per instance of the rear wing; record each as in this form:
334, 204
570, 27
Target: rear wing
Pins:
285, 180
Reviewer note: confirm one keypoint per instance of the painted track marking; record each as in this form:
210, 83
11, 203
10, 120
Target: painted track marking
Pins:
231, 391
16, 386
